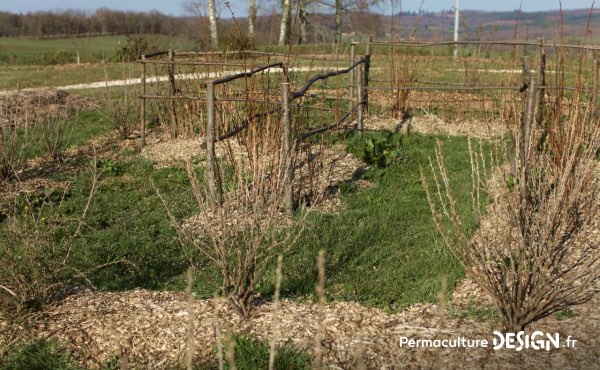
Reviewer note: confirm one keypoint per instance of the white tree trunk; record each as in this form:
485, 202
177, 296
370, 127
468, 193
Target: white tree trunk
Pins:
303, 15
251, 19
285, 18
212, 19
338, 21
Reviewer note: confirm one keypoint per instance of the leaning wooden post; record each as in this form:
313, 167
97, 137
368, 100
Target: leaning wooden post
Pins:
360, 100
594, 102
351, 74
143, 104
211, 164
286, 161
172, 90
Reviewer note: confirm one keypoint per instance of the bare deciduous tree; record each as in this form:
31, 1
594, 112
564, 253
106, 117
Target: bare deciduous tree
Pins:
212, 20
251, 19
202, 7
286, 14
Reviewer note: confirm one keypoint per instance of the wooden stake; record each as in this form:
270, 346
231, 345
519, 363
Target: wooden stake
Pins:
361, 107
211, 164
287, 163
143, 106
172, 89
351, 74
526, 133
541, 82
595, 91
365, 75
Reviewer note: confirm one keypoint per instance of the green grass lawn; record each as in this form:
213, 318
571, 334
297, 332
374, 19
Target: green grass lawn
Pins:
54, 76
382, 248
76, 131
30, 46
16, 50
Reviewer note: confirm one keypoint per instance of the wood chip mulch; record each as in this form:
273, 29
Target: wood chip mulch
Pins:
149, 330
431, 124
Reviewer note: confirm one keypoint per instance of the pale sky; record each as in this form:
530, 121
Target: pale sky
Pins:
240, 7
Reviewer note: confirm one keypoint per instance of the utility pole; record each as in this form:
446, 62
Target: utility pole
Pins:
456, 18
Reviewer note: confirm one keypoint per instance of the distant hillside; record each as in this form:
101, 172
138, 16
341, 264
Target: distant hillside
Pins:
478, 25
475, 25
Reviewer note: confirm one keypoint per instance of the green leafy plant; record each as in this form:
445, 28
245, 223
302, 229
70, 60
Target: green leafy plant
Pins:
380, 148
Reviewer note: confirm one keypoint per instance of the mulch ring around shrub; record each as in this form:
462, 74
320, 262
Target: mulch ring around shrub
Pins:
149, 330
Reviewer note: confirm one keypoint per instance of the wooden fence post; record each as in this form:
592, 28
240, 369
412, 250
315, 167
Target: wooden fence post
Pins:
594, 102
211, 164
366, 69
351, 74
172, 91
287, 163
526, 133
361, 106
541, 81
143, 105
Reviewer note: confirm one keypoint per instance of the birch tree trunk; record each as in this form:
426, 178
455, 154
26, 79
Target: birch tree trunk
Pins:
285, 21
212, 20
251, 19
303, 16
338, 21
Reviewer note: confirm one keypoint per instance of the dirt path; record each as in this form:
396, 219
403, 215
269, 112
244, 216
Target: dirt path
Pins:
137, 81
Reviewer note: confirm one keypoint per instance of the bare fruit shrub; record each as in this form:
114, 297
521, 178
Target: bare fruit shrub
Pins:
35, 251
123, 108
534, 253
249, 227
52, 128
16, 134
12, 153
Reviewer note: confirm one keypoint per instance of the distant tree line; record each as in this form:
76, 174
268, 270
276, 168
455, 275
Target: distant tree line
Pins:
286, 21
79, 23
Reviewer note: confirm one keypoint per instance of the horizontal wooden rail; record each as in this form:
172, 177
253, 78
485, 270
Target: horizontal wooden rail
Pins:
247, 74
193, 63
203, 98
324, 76
155, 54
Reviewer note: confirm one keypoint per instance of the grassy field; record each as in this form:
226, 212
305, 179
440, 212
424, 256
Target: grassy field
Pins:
32, 51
